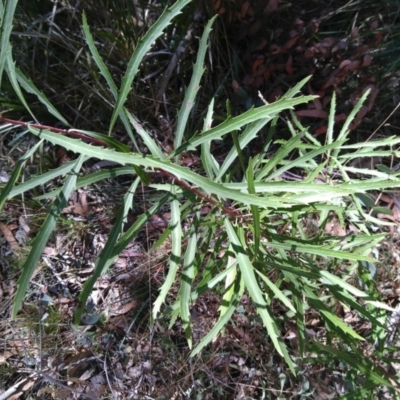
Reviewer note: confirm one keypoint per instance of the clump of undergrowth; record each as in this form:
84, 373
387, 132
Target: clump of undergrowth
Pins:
259, 247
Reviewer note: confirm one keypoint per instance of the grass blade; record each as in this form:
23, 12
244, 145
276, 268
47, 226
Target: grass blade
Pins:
7, 19
360, 363
254, 209
107, 76
231, 124
8, 191
107, 256
188, 275
251, 284
143, 46
41, 180
180, 172
194, 85
175, 259
151, 144
225, 315
28, 85
245, 138
43, 236
84, 181
12, 76
210, 164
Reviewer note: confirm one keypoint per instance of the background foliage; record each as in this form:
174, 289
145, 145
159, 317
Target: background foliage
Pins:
257, 231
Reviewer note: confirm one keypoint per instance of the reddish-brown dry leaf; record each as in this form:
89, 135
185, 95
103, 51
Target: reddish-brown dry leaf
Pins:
299, 23
289, 66
360, 115
308, 54
245, 8
260, 70
378, 39
340, 117
354, 32
289, 44
334, 228
4, 356
314, 25
247, 80
8, 235
79, 207
368, 78
261, 45
274, 49
189, 160
312, 113
320, 130
256, 63
326, 100
267, 75
366, 60
344, 64
217, 4
325, 52
258, 81
254, 28
372, 95
353, 66
339, 46
373, 24
317, 104
159, 222
239, 333
125, 308
328, 42
271, 7
235, 86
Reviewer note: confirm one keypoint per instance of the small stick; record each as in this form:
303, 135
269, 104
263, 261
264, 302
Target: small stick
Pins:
67, 132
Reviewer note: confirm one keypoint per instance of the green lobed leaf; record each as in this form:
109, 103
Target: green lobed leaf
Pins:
42, 180
251, 284
360, 363
107, 76
175, 258
180, 172
194, 85
225, 315
7, 18
81, 182
28, 85
236, 123
245, 138
143, 46
188, 275
12, 76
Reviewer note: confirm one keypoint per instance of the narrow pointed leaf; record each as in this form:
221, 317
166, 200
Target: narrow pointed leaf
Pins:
43, 235
143, 46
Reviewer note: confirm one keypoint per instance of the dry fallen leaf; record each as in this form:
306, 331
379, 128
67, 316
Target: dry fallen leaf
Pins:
78, 206
9, 237
4, 356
